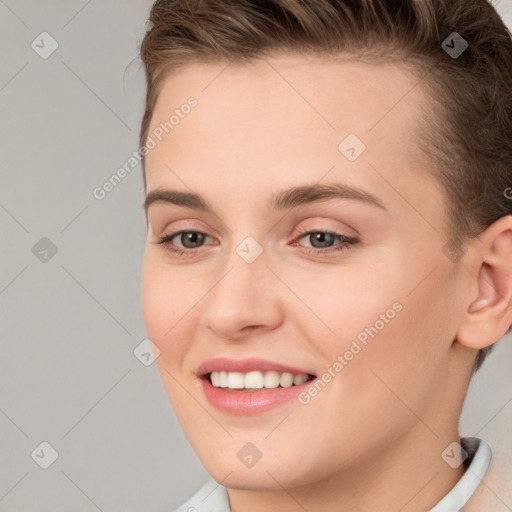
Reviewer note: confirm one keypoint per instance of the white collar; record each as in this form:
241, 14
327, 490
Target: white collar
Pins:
212, 497
479, 455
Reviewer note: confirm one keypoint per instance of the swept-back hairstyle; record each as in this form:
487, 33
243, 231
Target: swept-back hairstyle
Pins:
467, 132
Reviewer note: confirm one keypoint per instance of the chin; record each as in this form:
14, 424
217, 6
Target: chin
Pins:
268, 474
248, 479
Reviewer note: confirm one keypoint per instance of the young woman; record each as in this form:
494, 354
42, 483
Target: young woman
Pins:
329, 252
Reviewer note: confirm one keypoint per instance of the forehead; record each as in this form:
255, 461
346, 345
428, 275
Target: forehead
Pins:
290, 98
278, 121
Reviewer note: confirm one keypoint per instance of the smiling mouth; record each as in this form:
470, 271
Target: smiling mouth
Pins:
256, 380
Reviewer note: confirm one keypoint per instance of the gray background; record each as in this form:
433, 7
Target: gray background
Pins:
70, 323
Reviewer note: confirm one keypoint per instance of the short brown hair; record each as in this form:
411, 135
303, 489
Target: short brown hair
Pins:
467, 135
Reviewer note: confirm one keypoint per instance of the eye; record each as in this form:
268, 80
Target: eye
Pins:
323, 242
190, 240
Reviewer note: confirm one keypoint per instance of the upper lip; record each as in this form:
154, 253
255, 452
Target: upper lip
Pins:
245, 366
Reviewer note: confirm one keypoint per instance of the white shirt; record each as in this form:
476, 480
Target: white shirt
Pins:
212, 497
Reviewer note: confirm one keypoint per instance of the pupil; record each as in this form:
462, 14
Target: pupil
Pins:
190, 237
324, 239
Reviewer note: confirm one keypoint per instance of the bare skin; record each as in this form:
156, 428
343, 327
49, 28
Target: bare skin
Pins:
372, 438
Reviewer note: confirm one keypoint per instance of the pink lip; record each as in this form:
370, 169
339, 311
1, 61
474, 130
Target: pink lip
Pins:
241, 402
245, 365
248, 403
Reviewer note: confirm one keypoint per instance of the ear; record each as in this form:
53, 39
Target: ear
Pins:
489, 309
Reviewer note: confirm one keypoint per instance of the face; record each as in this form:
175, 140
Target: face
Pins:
342, 281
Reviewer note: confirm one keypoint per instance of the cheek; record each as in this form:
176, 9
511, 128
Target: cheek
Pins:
156, 303
383, 332
347, 304
167, 306
401, 359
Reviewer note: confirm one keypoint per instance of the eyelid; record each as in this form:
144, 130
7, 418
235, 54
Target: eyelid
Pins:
323, 223
186, 225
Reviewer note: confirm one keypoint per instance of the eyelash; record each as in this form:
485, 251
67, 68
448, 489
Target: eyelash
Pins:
347, 242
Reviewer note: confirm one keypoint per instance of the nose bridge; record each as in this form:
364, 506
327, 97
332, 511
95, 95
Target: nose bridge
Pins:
242, 294
243, 275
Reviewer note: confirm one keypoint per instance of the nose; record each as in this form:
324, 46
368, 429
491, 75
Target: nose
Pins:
244, 299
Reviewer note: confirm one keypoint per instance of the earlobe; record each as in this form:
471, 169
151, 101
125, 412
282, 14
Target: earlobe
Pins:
489, 314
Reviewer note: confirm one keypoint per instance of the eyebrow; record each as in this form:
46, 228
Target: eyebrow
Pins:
281, 200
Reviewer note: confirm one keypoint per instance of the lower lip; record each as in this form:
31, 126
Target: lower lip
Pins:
249, 402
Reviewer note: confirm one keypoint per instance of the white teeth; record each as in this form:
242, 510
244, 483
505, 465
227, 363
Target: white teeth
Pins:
236, 380
223, 379
286, 380
215, 379
253, 380
300, 379
271, 380
256, 379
